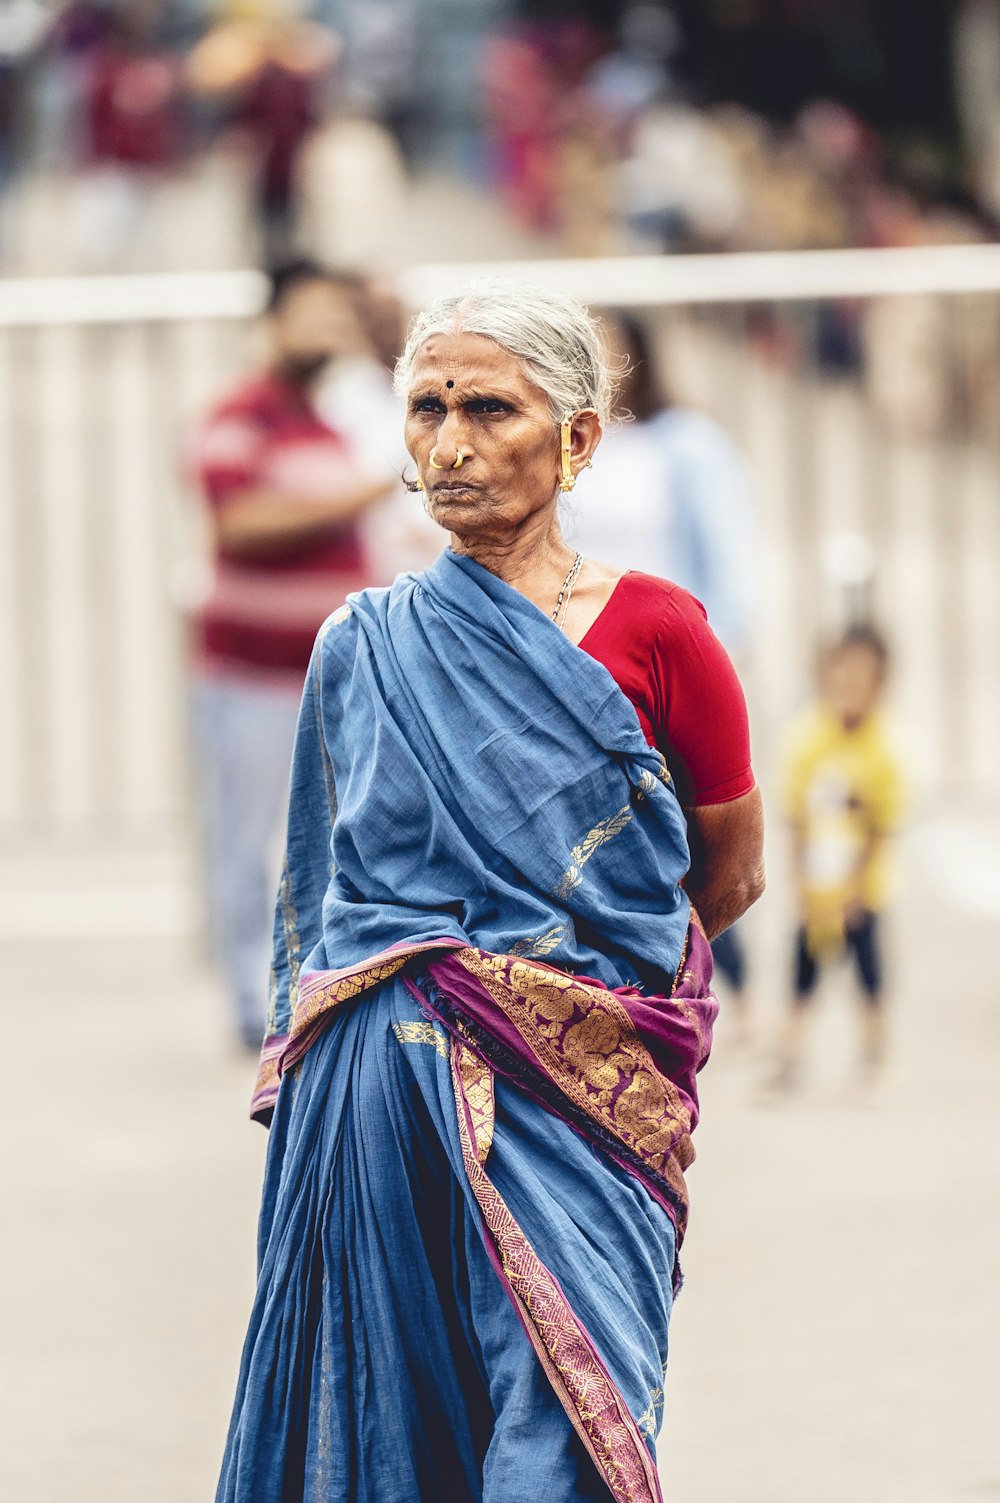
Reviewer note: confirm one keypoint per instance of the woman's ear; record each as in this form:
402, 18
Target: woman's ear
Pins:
586, 435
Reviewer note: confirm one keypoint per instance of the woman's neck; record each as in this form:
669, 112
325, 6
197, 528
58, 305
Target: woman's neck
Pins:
533, 559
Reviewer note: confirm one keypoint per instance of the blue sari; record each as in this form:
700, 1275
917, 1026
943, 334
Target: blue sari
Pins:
489, 1004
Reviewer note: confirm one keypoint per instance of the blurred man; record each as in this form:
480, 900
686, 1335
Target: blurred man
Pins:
843, 794
286, 495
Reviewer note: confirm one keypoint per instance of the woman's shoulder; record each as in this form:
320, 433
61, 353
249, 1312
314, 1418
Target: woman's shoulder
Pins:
651, 630
652, 601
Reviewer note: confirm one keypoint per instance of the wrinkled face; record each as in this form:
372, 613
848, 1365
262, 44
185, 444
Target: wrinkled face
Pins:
852, 682
469, 396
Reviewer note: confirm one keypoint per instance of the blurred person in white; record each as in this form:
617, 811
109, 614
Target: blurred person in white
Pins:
285, 493
358, 400
843, 792
670, 493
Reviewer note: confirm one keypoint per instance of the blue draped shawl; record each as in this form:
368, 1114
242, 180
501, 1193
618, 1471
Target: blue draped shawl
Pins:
486, 1017
464, 771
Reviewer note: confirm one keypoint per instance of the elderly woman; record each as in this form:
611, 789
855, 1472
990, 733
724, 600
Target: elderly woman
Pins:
521, 804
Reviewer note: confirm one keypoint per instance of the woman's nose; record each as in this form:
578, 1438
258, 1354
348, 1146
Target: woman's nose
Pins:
450, 439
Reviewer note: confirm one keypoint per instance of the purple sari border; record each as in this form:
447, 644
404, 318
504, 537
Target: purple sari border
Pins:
581, 1382
531, 1078
268, 1078
617, 1065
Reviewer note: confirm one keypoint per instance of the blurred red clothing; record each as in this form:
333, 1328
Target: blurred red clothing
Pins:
264, 612
279, 110
135, 108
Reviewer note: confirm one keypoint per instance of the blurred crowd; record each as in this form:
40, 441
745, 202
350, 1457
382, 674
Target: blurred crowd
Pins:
606, 125
615, 143
122, 98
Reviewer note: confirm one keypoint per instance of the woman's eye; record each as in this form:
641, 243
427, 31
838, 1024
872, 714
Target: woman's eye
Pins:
489, 405
427, 404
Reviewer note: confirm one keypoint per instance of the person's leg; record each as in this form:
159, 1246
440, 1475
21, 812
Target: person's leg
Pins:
729, 956
863, 940
805, 976
244, 736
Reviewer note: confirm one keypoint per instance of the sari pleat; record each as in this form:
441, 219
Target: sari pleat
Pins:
376, 1282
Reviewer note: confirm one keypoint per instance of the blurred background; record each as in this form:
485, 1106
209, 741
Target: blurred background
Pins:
797, 204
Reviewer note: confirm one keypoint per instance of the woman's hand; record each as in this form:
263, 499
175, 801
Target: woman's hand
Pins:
727, 859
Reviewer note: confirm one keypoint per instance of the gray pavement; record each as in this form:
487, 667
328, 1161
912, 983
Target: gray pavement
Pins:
836, 1338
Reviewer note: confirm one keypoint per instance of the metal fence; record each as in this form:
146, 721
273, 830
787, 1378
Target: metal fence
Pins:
863, 386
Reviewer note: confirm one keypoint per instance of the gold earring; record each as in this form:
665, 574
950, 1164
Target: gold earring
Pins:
418, 484
566, 441
433, 461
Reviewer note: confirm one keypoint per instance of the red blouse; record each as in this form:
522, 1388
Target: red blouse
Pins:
655, 641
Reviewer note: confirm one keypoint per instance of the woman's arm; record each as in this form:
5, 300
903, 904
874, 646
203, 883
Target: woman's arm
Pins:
700, 722
727, 859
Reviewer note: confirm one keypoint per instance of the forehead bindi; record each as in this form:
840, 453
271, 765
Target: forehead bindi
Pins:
470, 361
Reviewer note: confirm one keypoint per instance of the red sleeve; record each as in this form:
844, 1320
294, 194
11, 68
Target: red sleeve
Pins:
699, 714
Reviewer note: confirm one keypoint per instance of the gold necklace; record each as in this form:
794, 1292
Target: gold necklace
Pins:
565, 594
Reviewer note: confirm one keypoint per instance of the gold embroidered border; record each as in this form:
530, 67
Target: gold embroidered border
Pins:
595, 1408
648, 1115
324, 998
326, 990
478, 1093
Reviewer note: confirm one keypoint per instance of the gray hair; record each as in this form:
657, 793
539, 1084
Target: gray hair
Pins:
556, 338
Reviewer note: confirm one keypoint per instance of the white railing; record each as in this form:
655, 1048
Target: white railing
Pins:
98, 383
100, 376
751, 277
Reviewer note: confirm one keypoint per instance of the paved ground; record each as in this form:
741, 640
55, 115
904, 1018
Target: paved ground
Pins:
837, 1336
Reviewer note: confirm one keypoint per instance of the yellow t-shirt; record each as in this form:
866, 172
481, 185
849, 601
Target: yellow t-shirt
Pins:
840, 786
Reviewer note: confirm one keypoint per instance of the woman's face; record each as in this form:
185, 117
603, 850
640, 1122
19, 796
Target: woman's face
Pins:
469, 396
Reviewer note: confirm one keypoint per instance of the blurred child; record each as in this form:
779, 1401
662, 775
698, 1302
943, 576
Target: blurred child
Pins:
843, 785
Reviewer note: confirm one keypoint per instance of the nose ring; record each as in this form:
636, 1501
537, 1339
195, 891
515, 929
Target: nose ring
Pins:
459, 460
433, 462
